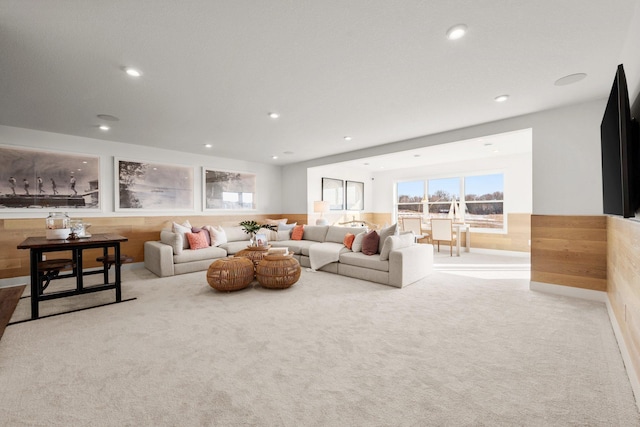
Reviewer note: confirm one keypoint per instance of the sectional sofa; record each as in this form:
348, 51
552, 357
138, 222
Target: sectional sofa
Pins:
399, 262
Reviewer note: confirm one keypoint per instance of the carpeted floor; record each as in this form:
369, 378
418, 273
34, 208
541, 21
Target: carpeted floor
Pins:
452, 350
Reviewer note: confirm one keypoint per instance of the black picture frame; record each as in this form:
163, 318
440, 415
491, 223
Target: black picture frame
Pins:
333, 192
354, 195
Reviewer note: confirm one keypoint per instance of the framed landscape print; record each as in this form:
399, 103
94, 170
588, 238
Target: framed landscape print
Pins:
142, 185
52, 180
228, 190
333, 192
355, 196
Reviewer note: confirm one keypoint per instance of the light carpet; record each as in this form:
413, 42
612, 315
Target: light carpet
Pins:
449, 350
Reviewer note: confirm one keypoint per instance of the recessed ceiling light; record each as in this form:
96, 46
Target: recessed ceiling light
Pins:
104, 127
456, 32
107, 117
84, 162
208, 145
288, 152
366, 164
501, 98
274, 157
347, 138
416, 155
487, 144
570, 79
132, 72
274, 115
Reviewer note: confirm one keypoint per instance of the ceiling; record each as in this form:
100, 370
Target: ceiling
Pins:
378, 71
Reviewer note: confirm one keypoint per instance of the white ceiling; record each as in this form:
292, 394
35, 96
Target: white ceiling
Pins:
377, 70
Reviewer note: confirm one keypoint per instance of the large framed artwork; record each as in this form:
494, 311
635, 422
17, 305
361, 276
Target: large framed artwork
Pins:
355, 196
333, 192
38, 179
228, 190
142, 185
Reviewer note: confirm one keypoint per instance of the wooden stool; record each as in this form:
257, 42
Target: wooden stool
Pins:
111, 259
50, 269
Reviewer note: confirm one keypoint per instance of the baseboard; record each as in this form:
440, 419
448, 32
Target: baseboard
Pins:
598, 296
626, 357
568, 291
14, 281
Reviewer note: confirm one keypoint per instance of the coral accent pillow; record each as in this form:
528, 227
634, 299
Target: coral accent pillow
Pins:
370, 243
297, 232
348, 240
206, 233
197, 240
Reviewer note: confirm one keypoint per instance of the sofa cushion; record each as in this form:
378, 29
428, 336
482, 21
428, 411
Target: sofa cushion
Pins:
317, 233
392, 243
198, 240
370, 243
357, 242
336, 234
217, 234
172, 239
386, 232
234, 247
269, 234
182, 229
211, 253
298, 247
283, 235
235, 234
359, 259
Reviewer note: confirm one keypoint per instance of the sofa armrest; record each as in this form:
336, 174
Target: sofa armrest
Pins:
410, 264
158, 258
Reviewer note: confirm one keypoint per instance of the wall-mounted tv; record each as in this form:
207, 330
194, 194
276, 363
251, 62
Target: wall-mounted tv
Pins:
620, 152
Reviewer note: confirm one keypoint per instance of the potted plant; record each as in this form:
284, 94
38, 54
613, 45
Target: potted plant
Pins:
252, 227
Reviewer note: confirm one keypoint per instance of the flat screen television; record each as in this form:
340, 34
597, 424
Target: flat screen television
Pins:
619, 144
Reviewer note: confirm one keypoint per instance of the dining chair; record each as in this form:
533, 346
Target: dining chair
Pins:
442, 230
415, 226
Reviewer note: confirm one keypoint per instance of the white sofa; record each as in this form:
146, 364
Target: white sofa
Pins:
407, 261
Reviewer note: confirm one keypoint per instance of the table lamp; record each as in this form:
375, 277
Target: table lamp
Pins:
322, 207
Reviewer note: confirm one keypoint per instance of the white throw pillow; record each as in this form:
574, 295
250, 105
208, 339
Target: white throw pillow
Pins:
386, 232
183, 229
356, 246
284, 235
217, 234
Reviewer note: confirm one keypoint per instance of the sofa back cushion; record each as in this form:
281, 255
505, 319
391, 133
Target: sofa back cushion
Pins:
317, 233
370, 243
336, 234
386, 232
392, 243
172, 239
235, 234
182, 229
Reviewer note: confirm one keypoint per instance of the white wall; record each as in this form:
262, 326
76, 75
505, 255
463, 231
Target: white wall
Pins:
517, 180
566, 158
268, 177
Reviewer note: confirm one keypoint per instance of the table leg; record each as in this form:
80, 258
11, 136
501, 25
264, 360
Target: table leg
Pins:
77, 254
36, 256
468, 233
117, 265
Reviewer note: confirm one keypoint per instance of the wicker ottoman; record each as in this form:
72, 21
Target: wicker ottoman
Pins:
230, 274
278, 271
254, 253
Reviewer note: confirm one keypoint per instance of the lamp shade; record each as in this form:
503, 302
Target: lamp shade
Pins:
321, 206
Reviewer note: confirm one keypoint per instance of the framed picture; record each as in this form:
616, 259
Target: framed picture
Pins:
226, 190
142, 185
52, 180
261, 240
355, 196
333, 192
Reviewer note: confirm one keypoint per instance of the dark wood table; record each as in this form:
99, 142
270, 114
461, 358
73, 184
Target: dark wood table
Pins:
40, 245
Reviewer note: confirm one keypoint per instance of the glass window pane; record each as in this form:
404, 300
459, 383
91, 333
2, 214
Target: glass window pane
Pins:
484, 187
444, 189
413, 209
410, 192
485, 214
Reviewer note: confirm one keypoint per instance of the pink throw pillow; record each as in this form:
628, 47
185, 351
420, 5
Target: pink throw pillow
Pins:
197, 240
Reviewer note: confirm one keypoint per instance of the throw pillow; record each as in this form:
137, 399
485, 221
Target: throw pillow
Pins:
297, 233
198, 240
182, 229
276, 222
217, 234
284, 235
348, 240
206, 234
396, 242
286, 227
172, 239
370, 243
386, 232
356, 246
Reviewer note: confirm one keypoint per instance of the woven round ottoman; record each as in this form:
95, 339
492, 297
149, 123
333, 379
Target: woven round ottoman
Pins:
254, 253
230, 274
278, 271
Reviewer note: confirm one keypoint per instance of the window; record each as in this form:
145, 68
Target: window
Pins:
410, 196
484, 200
481, 204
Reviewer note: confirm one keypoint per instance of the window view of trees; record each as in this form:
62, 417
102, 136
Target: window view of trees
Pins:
482, 205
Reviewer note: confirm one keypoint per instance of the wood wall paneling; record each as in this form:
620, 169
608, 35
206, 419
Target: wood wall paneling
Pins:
569, 251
